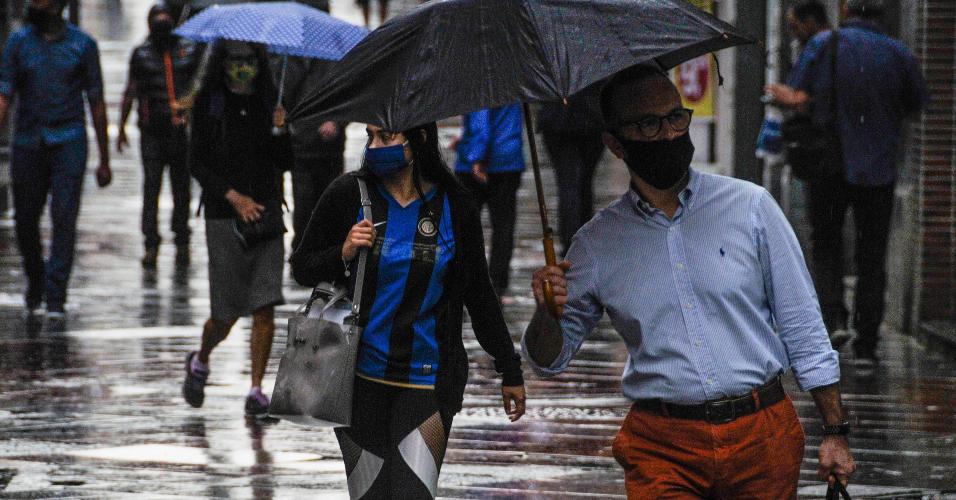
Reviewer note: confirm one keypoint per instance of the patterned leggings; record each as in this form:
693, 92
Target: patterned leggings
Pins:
396, 444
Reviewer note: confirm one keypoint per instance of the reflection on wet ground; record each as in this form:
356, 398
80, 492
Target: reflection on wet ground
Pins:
92, 408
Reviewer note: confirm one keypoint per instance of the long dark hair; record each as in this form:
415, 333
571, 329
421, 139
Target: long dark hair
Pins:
428, 160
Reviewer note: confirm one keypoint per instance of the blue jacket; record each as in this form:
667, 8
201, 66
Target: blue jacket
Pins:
492, 136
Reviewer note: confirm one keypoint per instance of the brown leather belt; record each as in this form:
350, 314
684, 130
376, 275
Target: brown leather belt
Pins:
720, 411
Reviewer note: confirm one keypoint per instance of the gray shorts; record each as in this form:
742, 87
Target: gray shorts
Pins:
241, 281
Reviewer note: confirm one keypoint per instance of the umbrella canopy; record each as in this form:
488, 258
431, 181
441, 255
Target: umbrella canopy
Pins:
287, 28
449, 57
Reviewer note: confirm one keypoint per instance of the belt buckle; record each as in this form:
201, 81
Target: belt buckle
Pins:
720, 412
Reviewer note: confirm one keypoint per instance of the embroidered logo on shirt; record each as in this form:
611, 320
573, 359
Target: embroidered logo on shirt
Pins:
721, 251
427, 228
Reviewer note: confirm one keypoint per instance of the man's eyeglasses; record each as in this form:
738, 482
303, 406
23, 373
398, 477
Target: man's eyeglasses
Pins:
649, 127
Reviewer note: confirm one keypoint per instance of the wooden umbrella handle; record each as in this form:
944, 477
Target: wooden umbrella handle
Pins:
546, 240
550, 260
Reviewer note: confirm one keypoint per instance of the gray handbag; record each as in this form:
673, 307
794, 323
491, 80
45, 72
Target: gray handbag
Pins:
317, 370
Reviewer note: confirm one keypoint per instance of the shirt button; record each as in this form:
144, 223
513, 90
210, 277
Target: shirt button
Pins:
698, 343
680, 266
689, 305
710, 381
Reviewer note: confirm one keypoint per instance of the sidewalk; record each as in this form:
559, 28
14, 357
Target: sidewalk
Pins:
96, 411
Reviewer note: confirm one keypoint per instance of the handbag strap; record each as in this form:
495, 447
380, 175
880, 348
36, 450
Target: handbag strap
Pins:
363, 253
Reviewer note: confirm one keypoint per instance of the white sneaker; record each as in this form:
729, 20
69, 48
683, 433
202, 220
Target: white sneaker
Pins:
55, 315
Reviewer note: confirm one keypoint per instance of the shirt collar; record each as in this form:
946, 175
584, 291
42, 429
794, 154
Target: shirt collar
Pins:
686, 197
59, 36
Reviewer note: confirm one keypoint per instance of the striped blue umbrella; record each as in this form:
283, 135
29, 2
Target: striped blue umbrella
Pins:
287, 28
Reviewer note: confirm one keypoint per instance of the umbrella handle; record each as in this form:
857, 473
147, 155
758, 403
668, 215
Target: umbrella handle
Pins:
551, 260
547, 241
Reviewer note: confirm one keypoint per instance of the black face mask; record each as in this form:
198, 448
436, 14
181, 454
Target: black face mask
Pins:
43, 20
162, 29
661, 164
161, 33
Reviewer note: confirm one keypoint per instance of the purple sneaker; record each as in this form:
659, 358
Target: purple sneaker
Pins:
257, 404
195, 384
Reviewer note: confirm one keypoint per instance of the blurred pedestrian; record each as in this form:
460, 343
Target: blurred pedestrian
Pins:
366, 6
160, 71
49, 65
572, 135
490, 163
319, 151
426, 262
878, 84
239, 164
703, 278
805, 19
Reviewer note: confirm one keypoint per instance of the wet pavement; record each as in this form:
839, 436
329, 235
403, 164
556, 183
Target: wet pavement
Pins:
94, 411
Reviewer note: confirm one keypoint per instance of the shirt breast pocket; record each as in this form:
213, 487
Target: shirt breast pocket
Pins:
736, 270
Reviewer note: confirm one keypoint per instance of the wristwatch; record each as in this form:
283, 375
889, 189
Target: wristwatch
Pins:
841, 429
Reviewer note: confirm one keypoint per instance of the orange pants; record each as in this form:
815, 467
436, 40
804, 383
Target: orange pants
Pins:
754, 457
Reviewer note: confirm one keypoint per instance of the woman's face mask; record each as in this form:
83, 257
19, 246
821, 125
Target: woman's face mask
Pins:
386, 160
241, 72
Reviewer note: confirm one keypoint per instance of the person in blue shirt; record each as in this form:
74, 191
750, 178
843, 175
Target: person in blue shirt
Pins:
703, 278
878, 85
426, 262
490, 164
49, 65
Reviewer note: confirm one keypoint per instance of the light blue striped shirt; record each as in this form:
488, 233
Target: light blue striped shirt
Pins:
710, 304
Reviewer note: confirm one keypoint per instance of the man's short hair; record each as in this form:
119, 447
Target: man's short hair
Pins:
627, 76
810, 9
866, 9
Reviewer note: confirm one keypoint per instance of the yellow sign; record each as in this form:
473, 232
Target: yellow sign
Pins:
696, 79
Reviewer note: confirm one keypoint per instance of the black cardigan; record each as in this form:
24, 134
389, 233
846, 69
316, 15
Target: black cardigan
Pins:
218, 168
319, 258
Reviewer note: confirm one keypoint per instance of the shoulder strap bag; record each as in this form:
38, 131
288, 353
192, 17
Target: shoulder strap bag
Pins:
316, 374
813, 150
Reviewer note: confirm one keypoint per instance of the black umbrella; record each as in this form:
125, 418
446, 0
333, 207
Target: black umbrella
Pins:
450, 57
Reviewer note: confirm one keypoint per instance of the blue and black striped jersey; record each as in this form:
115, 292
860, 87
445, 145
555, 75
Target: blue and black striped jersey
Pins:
411, 255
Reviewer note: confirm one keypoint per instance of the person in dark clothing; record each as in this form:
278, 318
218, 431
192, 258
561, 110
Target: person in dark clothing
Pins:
159, 73
426, 263
239, 164
319, 151
572, 135
490, 164
48, 66
878, 85
805, 19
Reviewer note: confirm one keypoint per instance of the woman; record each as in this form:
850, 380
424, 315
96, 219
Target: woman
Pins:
426, 262
239, 164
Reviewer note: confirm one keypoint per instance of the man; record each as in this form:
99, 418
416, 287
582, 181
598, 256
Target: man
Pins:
572, 135
878, 84
805, 19
319, 152
490, 163
703, 278
49, 64
159, 73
